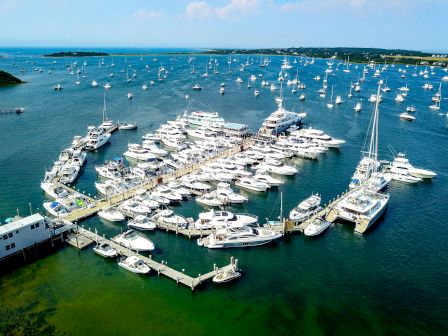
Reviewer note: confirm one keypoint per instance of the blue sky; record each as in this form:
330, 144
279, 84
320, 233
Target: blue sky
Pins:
407, 24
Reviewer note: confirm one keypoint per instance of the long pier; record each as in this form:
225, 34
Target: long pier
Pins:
161, 268
98, 205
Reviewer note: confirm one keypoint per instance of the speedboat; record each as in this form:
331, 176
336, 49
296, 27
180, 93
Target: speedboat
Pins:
214, 219
127, 126
142, 223
277, 167
210, 199
105, 250
402, 170
226, 276
242, 236
262, 176
135, 265
227, 195
197, 87
167, 216
406, 116
133, 241
54, 190
316, 227
252, 184
135, 207
306, 209
111, 214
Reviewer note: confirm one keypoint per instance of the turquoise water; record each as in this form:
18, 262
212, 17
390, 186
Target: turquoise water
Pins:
389, 281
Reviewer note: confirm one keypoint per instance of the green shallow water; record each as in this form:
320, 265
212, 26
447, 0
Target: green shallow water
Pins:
390, 281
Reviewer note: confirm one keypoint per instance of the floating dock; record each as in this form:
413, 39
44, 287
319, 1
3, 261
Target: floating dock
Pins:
161, 268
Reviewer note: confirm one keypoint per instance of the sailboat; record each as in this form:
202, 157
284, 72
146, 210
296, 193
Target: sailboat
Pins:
358, 107
436, 106
108, 125
330, 105
192, 69
78, 81
346, 65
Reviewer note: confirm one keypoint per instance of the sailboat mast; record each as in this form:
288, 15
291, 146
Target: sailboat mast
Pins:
104, 108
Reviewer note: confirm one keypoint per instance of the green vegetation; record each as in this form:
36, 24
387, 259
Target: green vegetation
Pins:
356, 55
76, 54
6, 79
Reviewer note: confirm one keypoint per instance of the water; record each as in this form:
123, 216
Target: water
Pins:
390, 281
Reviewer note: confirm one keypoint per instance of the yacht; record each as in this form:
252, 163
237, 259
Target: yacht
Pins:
105, 250
96, 137
262, 176
135, 265
250, 183
319, 137
111, 214
210, 199
136, 152
406, 116
316, 227
280, 120
152, 148
205, 119
69, 172
141, 222
54, 190
133, 241
127, 126
277, 167
168, 217
213, 219
134, 207
227, 195
362, 207
239, 236
306, 209
401, 169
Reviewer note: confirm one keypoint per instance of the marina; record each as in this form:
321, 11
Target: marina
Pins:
319, 157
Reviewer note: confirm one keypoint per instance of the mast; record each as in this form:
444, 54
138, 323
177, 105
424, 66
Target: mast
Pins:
104, 108
373, 148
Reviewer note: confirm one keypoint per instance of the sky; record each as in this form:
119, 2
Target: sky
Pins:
405, 24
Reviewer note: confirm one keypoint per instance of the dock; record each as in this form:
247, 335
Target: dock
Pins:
161, 268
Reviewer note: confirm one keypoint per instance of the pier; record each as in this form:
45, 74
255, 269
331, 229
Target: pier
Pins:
88, 237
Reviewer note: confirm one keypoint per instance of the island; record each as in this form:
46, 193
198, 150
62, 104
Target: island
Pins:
354, 55
76, 54
6, 79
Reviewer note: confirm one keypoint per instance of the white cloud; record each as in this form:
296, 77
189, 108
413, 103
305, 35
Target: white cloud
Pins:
144, 14
201, 9
318, 5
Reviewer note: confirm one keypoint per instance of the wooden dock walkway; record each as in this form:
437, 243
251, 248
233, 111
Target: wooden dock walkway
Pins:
161, 268
98, 205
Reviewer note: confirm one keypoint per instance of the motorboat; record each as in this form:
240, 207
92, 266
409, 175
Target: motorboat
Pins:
134, 207
252, 184
227, 195
130, 239
79, 157
277, 167
197, 87
280, 120
57, 87
306, 209
135, 265
262, 176
210, 199
214, 219
69, 172
141, 222
316, 227
406, 116
362, 207
226, 276
94, 83
319, 137
105, 250
168, 217
152, 147
402, 170
205, 119
107, 86
127, 126
111, 214
54, 190
239, 236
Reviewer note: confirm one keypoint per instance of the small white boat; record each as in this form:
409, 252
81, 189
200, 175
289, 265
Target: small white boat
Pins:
227, 276
105, 250
316, 227
130, 95
406, 116
135, 265
111, 215
127, 126
222, 90
133, 241
142, 223
107, 86
197, 87
58, 87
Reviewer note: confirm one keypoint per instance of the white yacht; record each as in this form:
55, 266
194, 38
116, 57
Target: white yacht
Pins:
306, 209
54, 190
133, 241
227, 195
277, 167
152, 147
137, 152
214, 219
362, 207
406, 116
167, 216
402, 170
210, 199
262, 176
135, 265
280, 120
111, 214
316, 227
239, 236
96, 137
318, 136
205, 119
134, 207
69, 172
252, 184
141, 222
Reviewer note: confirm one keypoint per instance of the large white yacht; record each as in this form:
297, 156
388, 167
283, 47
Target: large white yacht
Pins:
277, 167
280, 120
136, 152
239, 236
401, 169
96, 137
362, 207
318, 136
214, 219
306, 208
210, 120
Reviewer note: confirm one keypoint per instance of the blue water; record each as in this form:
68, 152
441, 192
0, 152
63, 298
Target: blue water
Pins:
389, 281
